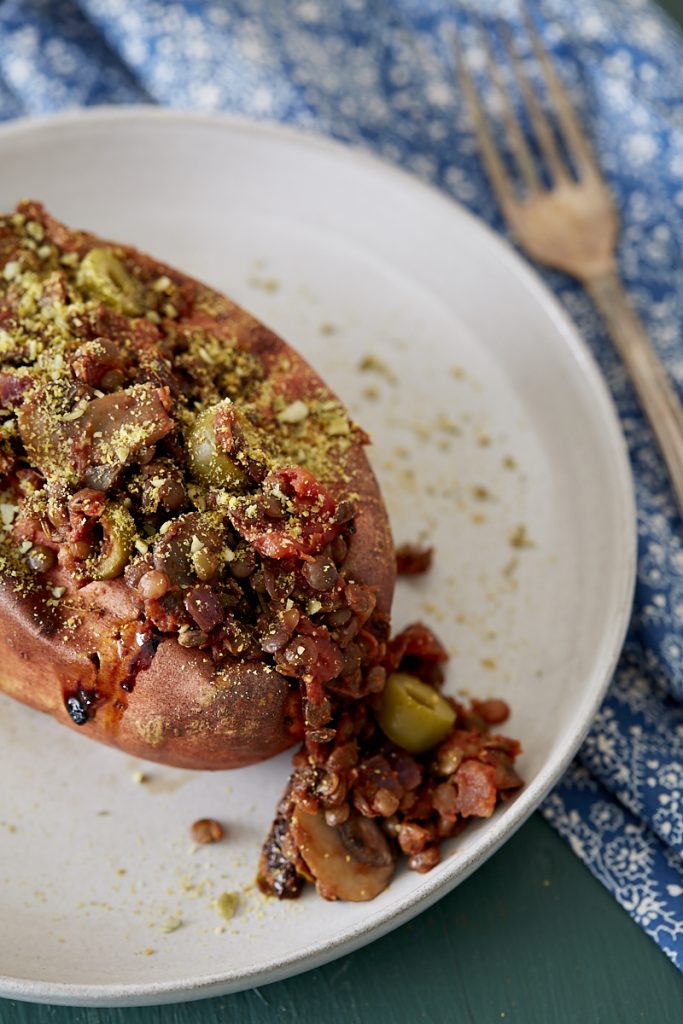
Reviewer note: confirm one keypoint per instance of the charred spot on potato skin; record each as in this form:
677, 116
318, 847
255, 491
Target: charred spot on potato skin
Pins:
78, 713
81, 706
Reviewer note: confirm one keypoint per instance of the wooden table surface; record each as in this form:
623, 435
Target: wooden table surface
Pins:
531, 938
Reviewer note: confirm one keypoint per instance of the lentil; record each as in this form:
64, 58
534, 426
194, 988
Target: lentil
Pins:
207, 830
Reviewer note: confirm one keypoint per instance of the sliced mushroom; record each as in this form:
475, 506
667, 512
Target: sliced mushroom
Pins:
49, 428
121, 425
70, 435
350, 862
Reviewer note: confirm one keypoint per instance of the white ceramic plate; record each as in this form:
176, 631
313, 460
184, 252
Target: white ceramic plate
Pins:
488, 416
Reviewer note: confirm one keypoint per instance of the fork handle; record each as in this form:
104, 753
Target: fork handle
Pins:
658, 398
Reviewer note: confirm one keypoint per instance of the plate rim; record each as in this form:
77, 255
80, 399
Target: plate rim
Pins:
138, 994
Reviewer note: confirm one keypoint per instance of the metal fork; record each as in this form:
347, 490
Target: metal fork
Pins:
572, 225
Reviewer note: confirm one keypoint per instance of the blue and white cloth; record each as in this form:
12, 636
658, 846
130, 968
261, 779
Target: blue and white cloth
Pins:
380, 73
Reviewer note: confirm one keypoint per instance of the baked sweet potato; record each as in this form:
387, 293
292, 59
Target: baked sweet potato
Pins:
194, 552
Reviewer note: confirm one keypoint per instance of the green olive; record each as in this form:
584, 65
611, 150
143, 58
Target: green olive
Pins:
413, 715
103, 275
117, 543
208, 463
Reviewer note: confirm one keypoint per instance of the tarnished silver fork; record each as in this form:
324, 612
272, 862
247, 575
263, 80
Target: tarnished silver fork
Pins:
571, 225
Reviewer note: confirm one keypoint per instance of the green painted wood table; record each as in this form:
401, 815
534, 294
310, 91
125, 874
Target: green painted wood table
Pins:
531, 938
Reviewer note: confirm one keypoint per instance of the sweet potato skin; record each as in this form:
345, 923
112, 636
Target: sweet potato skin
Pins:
180, 711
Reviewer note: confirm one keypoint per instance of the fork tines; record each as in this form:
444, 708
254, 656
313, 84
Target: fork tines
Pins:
570, 131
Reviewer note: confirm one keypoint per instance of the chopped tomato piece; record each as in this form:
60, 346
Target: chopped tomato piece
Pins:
308, 521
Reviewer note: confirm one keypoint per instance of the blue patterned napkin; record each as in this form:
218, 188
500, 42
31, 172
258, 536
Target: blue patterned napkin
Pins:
380, 73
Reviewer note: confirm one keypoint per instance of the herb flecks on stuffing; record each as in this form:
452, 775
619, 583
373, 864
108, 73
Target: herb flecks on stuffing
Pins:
153, 433
106, 368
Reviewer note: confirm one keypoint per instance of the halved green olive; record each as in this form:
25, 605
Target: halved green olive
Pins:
207, 461
413, 715
103, 275
116, 549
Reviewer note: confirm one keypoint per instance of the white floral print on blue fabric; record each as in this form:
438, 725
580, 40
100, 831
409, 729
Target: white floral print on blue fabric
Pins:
380, 74
623, 853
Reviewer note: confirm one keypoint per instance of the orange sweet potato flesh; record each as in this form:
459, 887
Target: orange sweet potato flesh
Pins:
181, 711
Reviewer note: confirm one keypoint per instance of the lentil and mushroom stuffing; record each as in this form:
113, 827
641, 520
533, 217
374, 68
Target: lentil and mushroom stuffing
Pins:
189, 522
